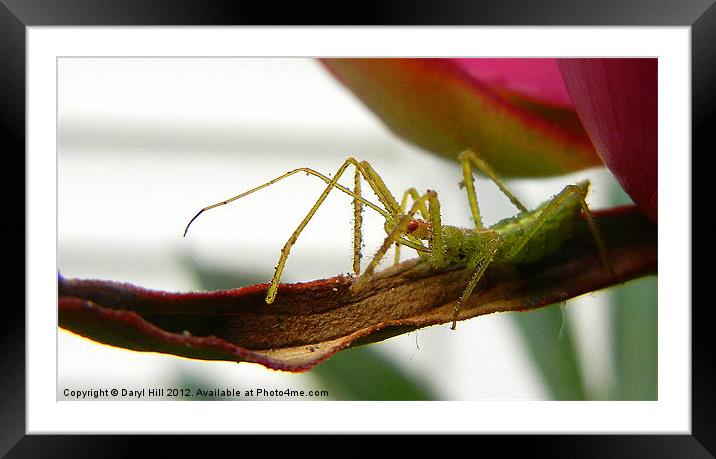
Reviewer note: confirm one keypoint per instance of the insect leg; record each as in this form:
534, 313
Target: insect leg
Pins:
400, 229
468, 158
391, 205
413, 193
390, 214
273, 288
376, 184
357, 224
479, 263
598, 238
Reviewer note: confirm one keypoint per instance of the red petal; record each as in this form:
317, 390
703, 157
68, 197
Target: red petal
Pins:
616, 99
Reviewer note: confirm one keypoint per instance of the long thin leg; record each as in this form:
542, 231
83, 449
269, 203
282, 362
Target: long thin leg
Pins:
357, 224
358, 201
273, 287
479, 263
391, 214
391, 205
376, 182
468, 158
413, 193
598, 238
384, 195
373, 180
436, 240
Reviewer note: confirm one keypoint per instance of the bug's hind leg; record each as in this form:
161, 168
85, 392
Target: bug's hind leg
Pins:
469, 158
479, 262
598, 238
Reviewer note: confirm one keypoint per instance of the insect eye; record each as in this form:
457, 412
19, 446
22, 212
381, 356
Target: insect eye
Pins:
412, 226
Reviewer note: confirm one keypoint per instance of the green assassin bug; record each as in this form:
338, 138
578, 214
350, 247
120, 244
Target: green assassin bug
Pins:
523, 238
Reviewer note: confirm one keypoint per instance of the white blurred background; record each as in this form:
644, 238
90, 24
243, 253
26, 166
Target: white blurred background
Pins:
145, 143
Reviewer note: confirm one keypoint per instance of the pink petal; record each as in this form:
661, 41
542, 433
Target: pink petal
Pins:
616, 99
538, 79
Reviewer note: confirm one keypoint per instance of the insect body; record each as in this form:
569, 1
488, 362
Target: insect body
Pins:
524, 238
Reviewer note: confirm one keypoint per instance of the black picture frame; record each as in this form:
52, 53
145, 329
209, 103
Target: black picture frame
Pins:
17, 15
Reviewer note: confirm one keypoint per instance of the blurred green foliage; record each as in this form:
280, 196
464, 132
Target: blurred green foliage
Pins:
634, 320
551, 346
634, 325
364, 373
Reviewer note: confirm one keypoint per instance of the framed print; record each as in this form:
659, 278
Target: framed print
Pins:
215, 212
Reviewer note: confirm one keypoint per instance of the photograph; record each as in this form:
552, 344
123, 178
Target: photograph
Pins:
357, 228
472, 220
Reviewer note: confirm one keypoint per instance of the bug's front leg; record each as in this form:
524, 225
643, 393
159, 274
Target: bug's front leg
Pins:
400, 229
412, 193
273, 287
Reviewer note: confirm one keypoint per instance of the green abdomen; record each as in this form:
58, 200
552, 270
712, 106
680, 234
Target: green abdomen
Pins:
548, 237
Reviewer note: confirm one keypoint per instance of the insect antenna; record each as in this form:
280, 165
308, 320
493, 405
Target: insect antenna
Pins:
281, 177
192, 221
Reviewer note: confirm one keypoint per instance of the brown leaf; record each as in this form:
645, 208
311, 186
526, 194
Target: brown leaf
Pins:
309, 322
